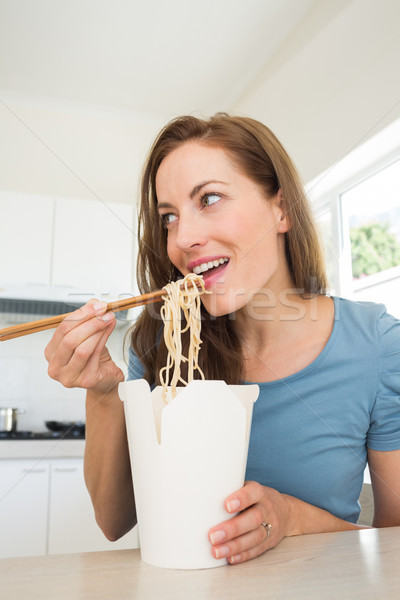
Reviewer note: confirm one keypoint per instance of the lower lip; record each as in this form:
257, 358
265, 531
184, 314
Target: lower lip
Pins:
210, 277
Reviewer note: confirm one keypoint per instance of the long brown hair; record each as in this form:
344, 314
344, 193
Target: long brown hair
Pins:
261, 157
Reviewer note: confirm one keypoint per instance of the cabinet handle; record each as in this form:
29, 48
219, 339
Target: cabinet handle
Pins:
34, 470
65, 469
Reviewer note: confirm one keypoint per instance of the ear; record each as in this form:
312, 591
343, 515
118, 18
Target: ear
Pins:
280, 206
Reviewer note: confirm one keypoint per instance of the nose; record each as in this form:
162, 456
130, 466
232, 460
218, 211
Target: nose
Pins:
190, 232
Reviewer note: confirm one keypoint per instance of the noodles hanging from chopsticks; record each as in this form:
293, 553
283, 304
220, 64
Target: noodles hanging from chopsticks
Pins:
181, 297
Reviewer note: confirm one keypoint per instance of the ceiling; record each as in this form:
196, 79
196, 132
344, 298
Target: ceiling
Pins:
164, 57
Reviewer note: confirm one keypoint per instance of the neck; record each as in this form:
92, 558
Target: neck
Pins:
269, 317
285, 337
273, 311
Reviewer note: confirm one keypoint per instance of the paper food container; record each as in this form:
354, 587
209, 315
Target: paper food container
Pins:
187, 456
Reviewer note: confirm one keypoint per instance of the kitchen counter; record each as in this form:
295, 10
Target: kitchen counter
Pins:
353, 564
55, 448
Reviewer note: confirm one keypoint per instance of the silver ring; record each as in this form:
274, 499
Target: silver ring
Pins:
268, 528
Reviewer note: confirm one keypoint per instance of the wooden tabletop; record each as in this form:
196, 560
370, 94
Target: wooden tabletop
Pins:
353, 564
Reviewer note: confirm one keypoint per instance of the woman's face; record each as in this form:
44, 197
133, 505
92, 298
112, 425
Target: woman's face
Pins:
220, 224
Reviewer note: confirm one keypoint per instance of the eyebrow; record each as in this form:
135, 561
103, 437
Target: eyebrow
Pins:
197, 188
193, 193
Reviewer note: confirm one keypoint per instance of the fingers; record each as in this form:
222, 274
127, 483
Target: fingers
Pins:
76, 347
244, 547
251, 493
72, 325
243, 536
247, 521
85, 356
100, 372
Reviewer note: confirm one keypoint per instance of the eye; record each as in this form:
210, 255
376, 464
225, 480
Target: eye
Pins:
168, 218
209, 199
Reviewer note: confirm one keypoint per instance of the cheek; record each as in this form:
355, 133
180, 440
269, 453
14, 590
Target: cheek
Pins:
174, 254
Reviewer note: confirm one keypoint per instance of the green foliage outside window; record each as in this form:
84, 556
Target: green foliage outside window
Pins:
373, 248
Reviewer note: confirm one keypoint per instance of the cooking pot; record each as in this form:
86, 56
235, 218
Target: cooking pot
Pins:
8, 418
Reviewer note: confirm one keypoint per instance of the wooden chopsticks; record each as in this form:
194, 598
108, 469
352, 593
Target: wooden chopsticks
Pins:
15, 331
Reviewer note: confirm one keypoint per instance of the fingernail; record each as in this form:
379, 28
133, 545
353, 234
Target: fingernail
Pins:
235, 559
217, 536
222, 552
233, 505
99, 306
109, 316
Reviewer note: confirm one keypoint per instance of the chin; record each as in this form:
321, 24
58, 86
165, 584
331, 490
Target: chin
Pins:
219, 306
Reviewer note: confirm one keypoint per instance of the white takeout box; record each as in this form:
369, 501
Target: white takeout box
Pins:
186, 457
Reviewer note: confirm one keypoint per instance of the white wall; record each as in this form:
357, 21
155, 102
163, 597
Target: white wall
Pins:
330, 86
25, 384
72, 151
333, 84
382, 288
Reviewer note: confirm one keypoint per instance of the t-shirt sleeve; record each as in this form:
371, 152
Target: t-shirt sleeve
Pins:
135, 367
384, 432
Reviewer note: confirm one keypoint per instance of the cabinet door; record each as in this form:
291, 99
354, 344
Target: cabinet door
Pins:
23, 507
26, 229
72, 526
93, 246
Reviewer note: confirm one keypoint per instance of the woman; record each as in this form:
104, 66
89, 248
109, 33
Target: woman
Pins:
221, 197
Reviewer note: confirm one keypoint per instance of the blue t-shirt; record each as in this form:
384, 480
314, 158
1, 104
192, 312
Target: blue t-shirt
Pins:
310, 431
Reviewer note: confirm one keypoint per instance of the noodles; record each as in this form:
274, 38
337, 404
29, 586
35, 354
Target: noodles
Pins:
183, 296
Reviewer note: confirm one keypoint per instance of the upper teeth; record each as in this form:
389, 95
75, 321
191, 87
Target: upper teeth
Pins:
209, 265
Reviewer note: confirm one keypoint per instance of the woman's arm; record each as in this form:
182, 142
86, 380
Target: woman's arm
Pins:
78, 357
384, 469
244, 537
107, 466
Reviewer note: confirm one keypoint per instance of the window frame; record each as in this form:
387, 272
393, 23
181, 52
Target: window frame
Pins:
331, 201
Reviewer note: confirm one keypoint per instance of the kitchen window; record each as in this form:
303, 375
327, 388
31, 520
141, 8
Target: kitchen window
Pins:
359, 223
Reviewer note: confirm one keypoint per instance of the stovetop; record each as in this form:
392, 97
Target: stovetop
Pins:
41, 435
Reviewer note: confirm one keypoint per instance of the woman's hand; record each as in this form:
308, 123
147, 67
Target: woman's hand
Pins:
244, 536
77, 354
265, 517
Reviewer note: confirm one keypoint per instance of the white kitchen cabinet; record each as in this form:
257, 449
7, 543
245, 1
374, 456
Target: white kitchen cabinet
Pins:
93, 246
72, 526
68, 242
23, 507
26, 230
45, 509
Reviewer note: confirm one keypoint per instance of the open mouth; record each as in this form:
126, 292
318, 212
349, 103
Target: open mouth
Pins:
211, 265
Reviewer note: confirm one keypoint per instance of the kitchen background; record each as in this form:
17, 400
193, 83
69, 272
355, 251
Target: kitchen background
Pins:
86, 84
84, 87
